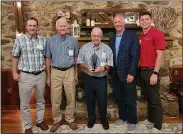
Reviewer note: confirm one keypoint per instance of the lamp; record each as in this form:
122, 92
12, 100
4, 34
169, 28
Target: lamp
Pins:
75, 29
19, 4
18, 34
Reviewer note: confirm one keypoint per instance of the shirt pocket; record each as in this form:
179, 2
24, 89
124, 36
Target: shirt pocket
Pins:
38, 51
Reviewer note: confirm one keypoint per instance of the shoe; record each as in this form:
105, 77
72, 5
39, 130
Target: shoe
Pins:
42, 125
119, 123
28, 131
55, 127
131, 128
155, 130
105, 125
90, 123
146, 123
72, 125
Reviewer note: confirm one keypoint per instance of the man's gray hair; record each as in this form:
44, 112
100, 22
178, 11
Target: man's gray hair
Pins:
61, 19
101, 33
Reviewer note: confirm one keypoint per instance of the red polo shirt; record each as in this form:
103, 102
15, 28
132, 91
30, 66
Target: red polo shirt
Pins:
153, 40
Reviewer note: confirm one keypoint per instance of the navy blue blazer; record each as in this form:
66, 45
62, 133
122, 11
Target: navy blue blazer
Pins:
128, 54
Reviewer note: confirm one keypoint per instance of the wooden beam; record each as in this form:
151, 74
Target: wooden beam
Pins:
105, 16
99, 18
111, 10
19, 17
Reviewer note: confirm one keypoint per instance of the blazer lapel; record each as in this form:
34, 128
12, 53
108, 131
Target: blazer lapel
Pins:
113, 44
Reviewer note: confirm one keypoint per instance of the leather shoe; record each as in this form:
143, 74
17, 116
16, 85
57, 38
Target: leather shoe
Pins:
90, 123
105, 125
55, 127
42, 125
72, 125
28, 131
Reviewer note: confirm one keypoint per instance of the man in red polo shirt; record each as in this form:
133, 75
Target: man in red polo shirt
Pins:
152, 45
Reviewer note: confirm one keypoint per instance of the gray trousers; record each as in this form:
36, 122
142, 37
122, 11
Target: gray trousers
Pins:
26, 84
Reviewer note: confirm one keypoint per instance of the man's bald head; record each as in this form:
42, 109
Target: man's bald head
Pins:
119, 15
98, 30
119, 23
96, 35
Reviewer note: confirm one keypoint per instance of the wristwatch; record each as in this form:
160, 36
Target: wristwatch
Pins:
156, 73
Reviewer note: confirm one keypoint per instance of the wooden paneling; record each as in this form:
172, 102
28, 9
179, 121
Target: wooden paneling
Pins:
9, 89
176, 74
10, 92
176, 82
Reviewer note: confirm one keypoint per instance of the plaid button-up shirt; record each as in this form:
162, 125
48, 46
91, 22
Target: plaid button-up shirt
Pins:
30, 52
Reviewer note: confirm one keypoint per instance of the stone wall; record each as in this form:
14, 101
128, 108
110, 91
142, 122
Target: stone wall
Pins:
46, 11
8, 33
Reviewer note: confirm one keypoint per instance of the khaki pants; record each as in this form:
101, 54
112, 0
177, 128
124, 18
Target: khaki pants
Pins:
59, 78
26, 84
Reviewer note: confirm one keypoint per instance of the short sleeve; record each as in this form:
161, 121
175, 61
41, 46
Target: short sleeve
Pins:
159, 41
109, 57
81, 56
47, 52
16, 48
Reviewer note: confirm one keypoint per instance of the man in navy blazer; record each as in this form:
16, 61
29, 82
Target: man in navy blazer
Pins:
125, 46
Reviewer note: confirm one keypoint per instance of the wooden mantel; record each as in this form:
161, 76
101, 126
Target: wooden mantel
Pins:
112, 10
167, 38
171, 38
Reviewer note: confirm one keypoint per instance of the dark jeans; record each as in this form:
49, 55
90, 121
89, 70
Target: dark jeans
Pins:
125, 94
151, 92
96, 90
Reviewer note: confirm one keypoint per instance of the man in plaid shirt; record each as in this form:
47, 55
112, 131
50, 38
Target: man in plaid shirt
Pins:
28, 55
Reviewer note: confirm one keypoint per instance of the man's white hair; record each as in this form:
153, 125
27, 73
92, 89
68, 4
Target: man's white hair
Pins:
97, 28
63, 19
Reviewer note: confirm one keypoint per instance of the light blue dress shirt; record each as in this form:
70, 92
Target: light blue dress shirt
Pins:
117, 44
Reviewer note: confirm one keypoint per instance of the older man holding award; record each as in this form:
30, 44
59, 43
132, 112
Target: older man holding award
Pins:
95, 59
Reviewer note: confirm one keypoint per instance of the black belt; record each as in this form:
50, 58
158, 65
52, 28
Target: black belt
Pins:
98, 77
34, 73
147, 68
63, 68
94, 77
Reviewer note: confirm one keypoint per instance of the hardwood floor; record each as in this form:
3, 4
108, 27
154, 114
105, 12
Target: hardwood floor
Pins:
11, 120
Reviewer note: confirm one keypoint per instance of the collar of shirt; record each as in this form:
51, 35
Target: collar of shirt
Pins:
93, 46
62, 38
147, 31
118, 35
31, 36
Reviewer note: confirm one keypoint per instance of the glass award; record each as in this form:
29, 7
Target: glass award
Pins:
94, 62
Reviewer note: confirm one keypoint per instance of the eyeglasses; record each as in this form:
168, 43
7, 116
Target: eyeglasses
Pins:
96, 36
